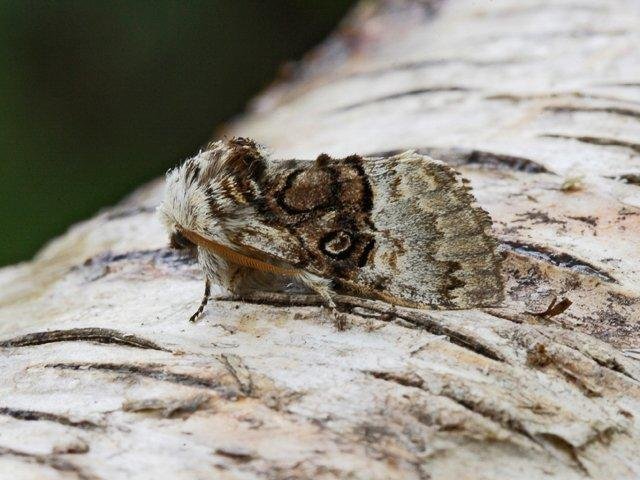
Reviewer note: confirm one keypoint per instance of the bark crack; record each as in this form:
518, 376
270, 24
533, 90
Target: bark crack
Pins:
168, 256
628, 178
239, 371
624, 112
151, 371
559, 259
395, 96
611, 364
602, 141
517, 98
53, 461
34, 415
433, 62
88, 334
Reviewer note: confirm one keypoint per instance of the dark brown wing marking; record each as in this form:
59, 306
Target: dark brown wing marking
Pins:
338, 244
326, 205
307, 190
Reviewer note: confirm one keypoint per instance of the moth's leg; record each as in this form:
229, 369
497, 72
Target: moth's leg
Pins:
322, 287
205, 300
216, 270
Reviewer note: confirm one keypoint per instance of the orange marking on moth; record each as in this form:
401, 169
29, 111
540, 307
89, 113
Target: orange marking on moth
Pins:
237, 257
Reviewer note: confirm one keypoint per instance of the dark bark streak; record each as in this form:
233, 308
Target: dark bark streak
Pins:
559, 259
394, 96
517, 98
561, 444
239, 371
168, 256
236, 454
89, 334
406, 380
168, 407
496, 416
457, 338
154, 372
436, 62
625, 112
605, 142
628, 178
588, 219
53, 461
611, 364
33, 415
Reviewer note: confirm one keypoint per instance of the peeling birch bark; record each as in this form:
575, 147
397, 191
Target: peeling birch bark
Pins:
538, 105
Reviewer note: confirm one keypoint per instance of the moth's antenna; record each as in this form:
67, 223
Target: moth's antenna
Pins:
205, 299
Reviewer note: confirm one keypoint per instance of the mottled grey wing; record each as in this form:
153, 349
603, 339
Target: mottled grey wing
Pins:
403, 228
432, 243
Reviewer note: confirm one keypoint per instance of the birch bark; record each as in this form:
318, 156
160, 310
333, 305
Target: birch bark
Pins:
538, 104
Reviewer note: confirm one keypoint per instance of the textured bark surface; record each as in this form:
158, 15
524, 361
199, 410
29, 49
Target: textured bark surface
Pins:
538, 104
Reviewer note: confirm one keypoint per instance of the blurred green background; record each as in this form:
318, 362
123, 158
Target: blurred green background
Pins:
98, 97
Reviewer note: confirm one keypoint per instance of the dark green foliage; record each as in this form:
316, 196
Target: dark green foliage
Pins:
97, 97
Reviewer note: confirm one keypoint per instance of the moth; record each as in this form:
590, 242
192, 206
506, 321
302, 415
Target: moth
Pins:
404, 229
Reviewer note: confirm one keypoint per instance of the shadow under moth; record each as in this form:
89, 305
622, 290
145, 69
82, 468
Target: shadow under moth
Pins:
402, 229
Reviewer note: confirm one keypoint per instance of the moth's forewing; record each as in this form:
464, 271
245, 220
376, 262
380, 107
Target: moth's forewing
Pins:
433, 245
403, 228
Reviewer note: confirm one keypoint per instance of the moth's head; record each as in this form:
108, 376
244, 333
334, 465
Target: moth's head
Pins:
204, 195
178, 241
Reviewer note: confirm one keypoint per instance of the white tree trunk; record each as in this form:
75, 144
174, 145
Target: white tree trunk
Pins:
538, 104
